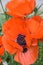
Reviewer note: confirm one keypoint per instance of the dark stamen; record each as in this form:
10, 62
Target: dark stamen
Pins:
21, 40
0, 46
25, 50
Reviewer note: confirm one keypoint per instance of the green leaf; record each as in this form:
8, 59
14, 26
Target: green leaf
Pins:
2, 20
5, 55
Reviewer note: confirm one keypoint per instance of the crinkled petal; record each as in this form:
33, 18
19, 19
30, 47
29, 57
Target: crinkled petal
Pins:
10, 47
27, 58
35, 26
13, 28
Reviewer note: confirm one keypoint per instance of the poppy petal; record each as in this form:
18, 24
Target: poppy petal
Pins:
20, 58
34, 42
37, 18
35, 26
31, 24
1, 48
11, 46
8, 47
29, 57
32, 55
13, 28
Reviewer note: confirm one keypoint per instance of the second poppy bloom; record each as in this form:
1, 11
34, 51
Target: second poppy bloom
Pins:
20, 8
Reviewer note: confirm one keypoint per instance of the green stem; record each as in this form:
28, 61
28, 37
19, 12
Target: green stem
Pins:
37, 9
3, 8
40, 6
40, 13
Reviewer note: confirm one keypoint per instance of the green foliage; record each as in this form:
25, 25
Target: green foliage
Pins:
2, 20
9, 59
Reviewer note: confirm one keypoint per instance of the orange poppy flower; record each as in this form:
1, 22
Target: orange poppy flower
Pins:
20, 7
15, 35
1, 48
17, 39
35, 25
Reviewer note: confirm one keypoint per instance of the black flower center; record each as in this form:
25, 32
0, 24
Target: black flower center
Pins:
21, 39
0, 46
25, 50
